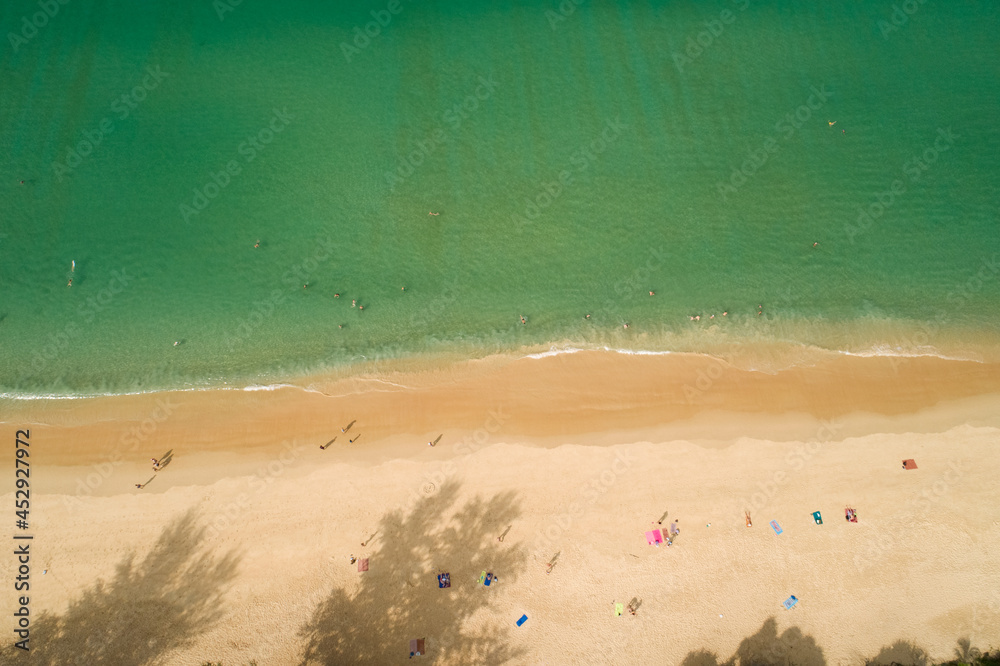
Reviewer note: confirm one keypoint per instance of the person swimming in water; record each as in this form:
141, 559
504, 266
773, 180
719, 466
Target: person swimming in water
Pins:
523, 320
257, 244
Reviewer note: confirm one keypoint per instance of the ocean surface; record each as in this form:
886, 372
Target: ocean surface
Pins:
577, 156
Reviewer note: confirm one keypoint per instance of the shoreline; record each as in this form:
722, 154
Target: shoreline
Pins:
751, 354
604, 396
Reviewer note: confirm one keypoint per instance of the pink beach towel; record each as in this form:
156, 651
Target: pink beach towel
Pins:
654, 537
363, 564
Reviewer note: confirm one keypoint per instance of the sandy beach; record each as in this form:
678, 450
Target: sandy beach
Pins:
240, 548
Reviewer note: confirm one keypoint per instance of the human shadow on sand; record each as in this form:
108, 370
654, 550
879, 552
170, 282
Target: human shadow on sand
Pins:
146, 610
398, 598
766, 648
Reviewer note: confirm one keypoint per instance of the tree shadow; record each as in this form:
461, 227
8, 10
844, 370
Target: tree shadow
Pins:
147, 610
900, 653
398, 599
766, 648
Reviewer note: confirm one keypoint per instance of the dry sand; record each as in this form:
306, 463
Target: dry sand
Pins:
239, 549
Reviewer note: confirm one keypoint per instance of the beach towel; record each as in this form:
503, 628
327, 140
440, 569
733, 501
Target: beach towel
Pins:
789, 602
851, 515
818, 517
619, 609
416, 647
909, 464
444, 580
489, 579
654, 537
776, 527
482, 577
363, 564
524, 618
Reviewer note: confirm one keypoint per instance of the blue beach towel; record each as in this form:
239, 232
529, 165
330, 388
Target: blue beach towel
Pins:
524, 618
776, 527
488, 579
789, 602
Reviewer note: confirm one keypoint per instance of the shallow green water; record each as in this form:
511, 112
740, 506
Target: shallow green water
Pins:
591, 168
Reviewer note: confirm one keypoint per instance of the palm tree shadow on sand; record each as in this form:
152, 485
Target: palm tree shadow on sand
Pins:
147, 610
766, 648
398, 598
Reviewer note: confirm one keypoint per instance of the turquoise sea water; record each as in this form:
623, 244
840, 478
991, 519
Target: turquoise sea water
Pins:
577, 161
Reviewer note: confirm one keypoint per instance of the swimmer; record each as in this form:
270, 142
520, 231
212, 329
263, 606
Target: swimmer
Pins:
523, 320
361, 307
587, 317
22, 182
832, 122
354, 302
402, 288
433, 213
176, 343
257, 244
712, 317
72, 266
691, 317
815, 244
624, 325
725, 313
697, 317
305, 285
70, 283
336, 295
652, 293
340, 326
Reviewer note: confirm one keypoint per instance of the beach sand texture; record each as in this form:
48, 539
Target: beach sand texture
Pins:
240, 548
